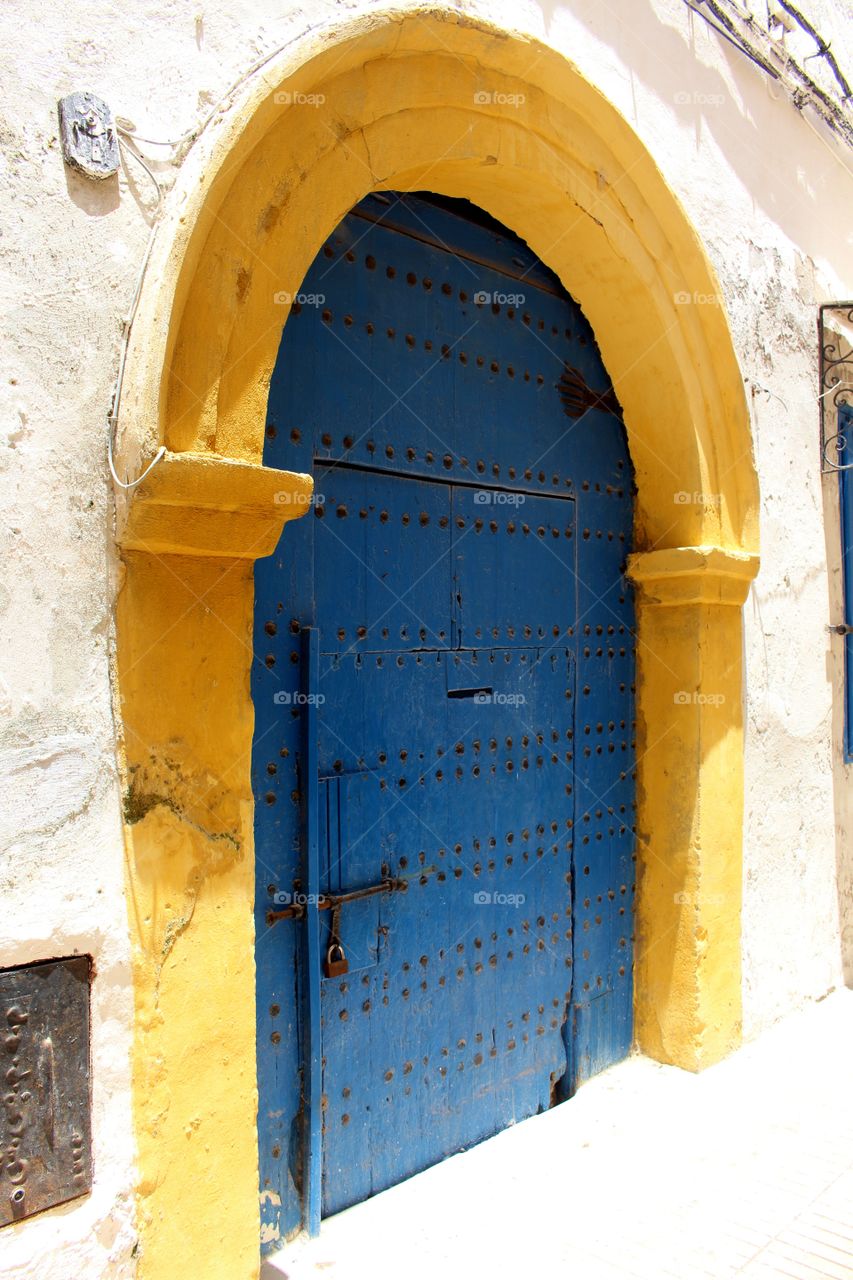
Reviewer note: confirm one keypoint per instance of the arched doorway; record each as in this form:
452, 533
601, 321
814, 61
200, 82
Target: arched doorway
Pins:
444, 709
396, 102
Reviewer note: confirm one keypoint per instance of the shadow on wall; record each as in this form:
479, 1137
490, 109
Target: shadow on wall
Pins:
786, 184
95, 198
780, 180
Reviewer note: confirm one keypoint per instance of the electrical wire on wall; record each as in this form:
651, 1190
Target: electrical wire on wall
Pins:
127, 133
740, 29
112, 416
823, 50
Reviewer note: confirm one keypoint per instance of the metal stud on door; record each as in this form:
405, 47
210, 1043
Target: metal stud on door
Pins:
473, 722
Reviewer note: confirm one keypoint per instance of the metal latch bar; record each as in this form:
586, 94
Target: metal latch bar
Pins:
329, 901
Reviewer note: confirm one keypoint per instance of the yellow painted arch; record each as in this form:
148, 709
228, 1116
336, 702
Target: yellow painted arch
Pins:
421, 100
397, 103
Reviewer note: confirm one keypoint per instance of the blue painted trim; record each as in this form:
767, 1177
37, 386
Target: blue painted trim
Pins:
845, 495
312, 1056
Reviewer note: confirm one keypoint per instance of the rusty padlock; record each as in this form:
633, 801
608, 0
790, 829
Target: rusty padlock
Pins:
336, 962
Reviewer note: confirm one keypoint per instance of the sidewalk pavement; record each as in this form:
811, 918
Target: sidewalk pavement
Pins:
648, 1173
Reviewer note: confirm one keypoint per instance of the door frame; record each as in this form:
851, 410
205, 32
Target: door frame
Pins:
438, 101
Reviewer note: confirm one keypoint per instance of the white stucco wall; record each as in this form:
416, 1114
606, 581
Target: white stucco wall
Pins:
770, 199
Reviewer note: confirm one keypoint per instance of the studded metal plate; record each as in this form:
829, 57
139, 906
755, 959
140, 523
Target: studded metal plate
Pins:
463, 564
45, 1123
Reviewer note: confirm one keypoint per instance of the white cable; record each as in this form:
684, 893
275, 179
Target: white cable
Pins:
126, 126
129, 151
128, 129
132, 483
112, 416
122, 127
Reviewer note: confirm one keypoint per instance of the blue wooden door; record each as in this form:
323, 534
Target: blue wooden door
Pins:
444, 710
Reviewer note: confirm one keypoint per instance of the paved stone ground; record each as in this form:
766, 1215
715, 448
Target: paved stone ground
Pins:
745, 1170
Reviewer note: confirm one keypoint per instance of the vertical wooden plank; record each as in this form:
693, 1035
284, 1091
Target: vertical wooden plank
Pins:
312, 1062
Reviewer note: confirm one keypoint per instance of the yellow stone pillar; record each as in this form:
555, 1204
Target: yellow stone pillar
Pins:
690, 801
189, 540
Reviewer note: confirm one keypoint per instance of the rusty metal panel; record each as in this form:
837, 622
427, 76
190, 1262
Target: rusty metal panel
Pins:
45, 1122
